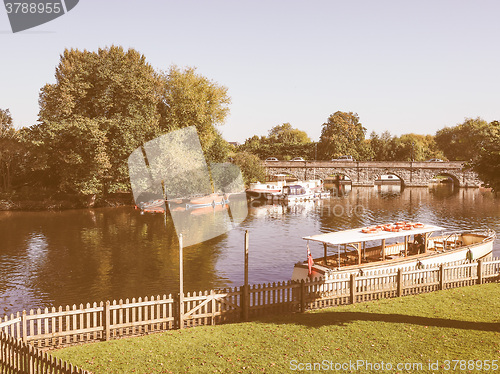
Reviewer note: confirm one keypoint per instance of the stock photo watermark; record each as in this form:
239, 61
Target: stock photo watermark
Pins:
24, 15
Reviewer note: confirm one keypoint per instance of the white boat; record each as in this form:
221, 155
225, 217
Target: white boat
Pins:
267, 190
393, 246
387, 179
304, 191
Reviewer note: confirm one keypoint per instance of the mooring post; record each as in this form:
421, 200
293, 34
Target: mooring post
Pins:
107, 320
441, 277
480, 271
353, 288
246, 294
181, 286
400, 282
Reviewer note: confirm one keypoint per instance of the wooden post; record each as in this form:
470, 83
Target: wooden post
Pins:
325, 254
364, 250
302, 296
406, 245
246, 295
359, 253
400, 282
441, 277
353, 288
181, 286
426, 243
480, 271
383, 249
24, 327
107, 322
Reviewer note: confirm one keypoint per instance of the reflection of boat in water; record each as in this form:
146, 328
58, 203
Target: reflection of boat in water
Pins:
378, 248
159, 206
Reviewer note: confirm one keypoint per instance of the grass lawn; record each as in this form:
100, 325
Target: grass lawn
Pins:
458, 324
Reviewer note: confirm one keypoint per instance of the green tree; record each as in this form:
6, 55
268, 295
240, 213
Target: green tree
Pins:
106, 104
342, 134
9, 149
111, 95
189, 99
487, 163
463, 141
283, 142
286, 134
251, 167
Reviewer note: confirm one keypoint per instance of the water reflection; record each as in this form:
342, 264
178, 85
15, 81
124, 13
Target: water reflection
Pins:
59, 258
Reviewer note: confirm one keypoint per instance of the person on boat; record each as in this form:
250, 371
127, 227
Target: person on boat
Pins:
419, 243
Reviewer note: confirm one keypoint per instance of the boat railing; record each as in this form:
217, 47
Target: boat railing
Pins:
487, 233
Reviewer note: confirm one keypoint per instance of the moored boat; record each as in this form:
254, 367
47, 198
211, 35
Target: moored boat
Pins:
392, 246
266, 191
304, 191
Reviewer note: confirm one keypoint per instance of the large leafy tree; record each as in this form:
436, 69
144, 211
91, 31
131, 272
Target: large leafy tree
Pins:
190, 99
487, 162
9, 147
342, 134
463, 141
283, 142
105, 104
286, 134
109, 97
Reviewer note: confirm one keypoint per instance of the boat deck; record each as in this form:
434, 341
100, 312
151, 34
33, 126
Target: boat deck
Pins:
394, 253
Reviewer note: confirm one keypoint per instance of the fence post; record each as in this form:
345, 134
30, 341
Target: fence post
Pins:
353, 288
441, 277
400, 282
245, 293
302, 296
24, 327
480, 271
181, 286
107, 322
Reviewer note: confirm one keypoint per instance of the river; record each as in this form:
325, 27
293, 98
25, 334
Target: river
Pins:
79, 256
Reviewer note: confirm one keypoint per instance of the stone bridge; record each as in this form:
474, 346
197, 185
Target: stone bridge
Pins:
364, 173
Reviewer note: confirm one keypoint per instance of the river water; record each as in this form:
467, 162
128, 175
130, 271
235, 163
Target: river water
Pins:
79, 256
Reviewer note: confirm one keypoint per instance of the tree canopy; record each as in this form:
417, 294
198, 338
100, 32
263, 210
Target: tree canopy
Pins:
463, 141
106, 104
342, 134
283, 142
487, 163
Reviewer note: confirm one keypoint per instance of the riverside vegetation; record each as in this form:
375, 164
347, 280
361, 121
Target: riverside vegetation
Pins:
105, 104
456, 324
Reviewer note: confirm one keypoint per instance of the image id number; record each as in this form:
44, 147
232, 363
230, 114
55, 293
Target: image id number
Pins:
33, 8
471, 365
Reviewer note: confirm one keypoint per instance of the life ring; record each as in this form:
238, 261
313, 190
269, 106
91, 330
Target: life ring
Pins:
418, 225
407, 227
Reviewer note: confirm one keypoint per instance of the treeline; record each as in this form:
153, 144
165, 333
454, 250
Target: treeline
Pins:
102, 106
475, 141
105, 104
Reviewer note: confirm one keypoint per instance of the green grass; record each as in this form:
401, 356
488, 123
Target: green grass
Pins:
459, 324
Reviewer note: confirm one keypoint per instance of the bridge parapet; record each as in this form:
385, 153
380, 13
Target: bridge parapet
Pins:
364, 173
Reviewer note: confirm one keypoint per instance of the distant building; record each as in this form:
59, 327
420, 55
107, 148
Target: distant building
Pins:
234, 143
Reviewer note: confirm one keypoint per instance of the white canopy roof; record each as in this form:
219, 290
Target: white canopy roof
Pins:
356, 235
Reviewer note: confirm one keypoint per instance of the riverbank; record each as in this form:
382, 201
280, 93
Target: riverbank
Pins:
58, 201
424, 332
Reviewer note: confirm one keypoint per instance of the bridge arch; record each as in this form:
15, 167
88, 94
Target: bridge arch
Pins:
454, 178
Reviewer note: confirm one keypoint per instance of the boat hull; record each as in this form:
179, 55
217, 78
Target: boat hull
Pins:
482, 250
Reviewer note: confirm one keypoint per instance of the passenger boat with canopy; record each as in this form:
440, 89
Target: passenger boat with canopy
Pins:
392, 246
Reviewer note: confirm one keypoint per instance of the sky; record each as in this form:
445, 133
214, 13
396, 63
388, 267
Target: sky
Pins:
402, 66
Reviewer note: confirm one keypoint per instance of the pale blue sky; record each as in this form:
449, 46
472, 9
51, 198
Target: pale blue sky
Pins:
403, 66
